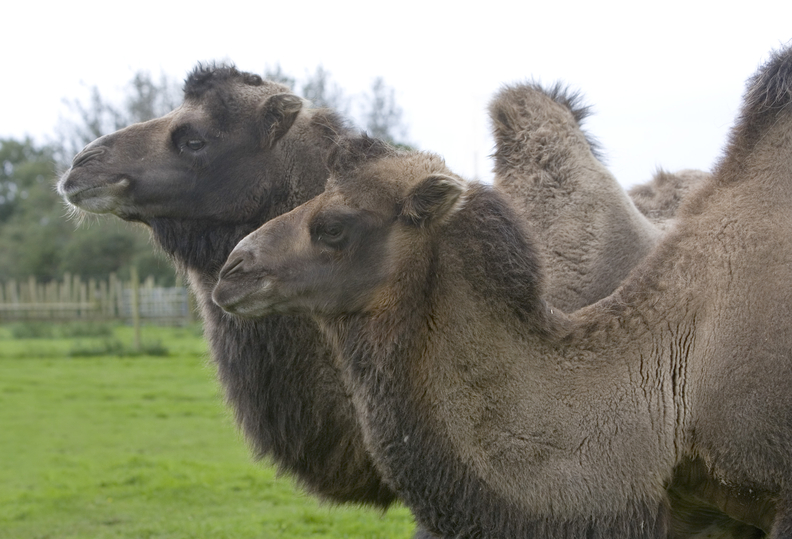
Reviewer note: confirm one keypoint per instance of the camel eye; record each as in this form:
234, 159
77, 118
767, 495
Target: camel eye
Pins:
332, 234
333, 231
195, 144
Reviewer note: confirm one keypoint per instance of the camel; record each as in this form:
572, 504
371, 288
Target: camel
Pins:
494, 414
236, 153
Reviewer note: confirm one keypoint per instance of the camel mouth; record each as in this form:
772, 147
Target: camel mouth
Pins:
102, 198
243, 301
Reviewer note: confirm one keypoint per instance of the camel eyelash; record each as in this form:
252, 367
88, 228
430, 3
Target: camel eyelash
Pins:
188, 138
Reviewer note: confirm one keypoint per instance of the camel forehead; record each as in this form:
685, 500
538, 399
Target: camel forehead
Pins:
232, 95
381, 183
363, 195
246, 93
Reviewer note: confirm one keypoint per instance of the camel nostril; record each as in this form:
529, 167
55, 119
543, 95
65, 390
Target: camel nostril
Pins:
86, 155
232, 266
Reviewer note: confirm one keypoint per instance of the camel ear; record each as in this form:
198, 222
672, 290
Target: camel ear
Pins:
277, 114
431, 200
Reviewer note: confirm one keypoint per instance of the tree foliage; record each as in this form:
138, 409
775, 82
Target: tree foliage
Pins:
276, 74
23, 167
144, 99
38, 239
320, 90
382, 115
376, 111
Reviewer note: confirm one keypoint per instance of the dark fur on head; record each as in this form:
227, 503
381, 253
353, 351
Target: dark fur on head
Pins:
213, 76
219, 80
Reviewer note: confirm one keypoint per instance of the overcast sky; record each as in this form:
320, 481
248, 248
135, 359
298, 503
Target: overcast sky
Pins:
665, 82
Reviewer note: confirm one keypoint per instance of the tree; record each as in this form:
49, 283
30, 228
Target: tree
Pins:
37, 239
147, 100
31, 231
382, 116
322, 92
276, 74
379, 113
144, 100
23, 166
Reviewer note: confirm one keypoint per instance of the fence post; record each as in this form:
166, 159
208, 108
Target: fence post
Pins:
72, 298
133, 274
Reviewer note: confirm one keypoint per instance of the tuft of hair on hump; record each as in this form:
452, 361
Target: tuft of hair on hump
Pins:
350, 152
513, 96
204, 77
571, 99
770, 89
767, 96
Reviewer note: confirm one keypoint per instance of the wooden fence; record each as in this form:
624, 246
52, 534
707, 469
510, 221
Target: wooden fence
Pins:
73, 298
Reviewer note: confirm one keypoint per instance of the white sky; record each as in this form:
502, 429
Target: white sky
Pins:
665, 80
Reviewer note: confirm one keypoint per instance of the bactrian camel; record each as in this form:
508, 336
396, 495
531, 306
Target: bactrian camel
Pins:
492, 413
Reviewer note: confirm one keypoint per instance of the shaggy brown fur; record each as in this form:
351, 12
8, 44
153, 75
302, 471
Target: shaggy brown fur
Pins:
495, 415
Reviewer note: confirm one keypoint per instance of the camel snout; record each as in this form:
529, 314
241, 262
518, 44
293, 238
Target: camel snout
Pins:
87, 154
235, 264
233, 291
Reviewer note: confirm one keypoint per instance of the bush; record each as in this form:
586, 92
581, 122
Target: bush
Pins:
114, 347
50, 330
32, 330
86, 329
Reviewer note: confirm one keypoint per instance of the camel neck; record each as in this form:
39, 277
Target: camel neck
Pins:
472, 372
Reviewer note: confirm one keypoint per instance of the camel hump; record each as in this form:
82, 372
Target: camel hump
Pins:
659, 199
518, 111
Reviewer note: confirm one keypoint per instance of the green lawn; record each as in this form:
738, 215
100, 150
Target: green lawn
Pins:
142, 447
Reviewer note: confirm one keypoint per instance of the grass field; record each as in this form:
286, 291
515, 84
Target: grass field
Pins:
122, 446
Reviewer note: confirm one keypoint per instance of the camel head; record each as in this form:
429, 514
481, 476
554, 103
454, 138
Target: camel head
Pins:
332, 255
215, 157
